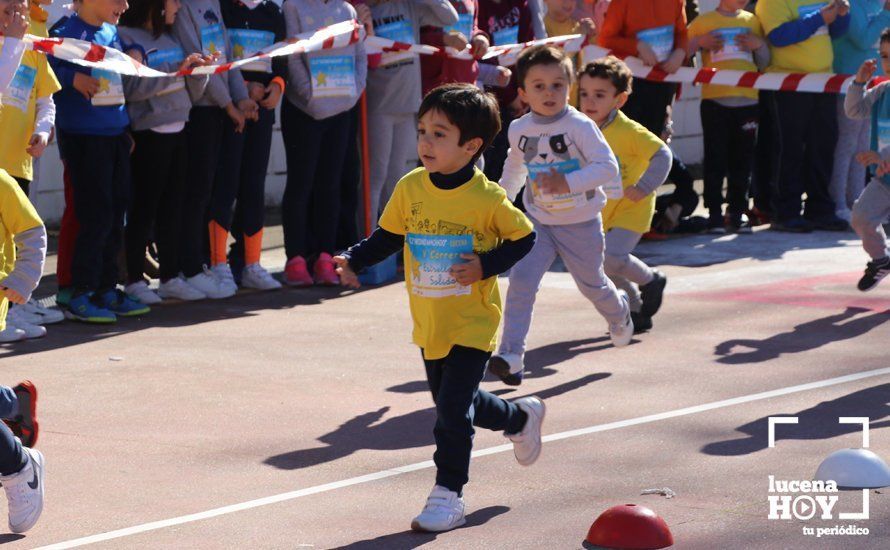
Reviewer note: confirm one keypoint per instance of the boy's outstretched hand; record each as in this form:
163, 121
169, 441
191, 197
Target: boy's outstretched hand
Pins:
347, 275
467, 273
866, 71
12, 295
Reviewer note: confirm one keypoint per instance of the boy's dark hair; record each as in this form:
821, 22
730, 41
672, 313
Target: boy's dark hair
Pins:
541, 55
885, 35
613, 69
141, 11
474, 112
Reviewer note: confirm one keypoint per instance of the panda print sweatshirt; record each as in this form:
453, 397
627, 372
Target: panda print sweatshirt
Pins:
571, 144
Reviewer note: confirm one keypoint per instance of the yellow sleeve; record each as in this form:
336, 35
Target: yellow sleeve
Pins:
47, 84
508, 222
393, 218
17, 213
774, 13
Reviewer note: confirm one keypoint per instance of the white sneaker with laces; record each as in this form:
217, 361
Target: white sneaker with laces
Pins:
444, 510
178, 289
256, 276
24, 491
224, 273
31, 331
22, 314
46, 315
211, 285
140, 291
622, 333
11, 334
527, 443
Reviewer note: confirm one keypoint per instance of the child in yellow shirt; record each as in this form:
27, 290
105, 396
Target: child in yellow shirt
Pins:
644, 162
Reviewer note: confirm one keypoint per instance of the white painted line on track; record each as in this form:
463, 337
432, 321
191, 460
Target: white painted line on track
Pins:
327, 487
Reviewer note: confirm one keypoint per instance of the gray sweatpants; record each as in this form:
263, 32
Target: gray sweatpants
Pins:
581, 247
626, 270
870, 211
848, 176
393, 150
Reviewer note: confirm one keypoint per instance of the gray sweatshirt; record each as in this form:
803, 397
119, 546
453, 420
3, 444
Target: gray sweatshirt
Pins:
152, 102
328, 82
199, 28
394, 86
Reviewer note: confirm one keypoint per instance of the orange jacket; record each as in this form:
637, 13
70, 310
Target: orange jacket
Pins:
625, 18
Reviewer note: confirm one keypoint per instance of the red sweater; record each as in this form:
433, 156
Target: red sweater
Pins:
625, 18
437, 70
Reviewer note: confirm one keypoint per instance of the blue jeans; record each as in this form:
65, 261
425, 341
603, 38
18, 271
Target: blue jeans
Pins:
9, 403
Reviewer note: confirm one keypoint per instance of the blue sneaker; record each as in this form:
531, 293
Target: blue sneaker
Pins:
82, 308
122, 305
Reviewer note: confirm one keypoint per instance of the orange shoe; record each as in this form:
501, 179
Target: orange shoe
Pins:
296, 273
325, 271
24, 425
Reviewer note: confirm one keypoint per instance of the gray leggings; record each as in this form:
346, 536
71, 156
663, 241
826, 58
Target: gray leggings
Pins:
870, 211
626, 270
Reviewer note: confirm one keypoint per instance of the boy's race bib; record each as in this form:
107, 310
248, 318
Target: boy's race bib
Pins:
213, 41
19, 91
168, 57
554, 202
503, 37
332, 76
464, 25
806, 10
731, 49
397, 31
111, 88
660, 39
431, 259
247, 42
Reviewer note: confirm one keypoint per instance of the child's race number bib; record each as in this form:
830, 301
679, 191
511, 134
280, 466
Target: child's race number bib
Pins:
464, 25
213, 41
503, 37
397, 31
111, 89
660, 39
19, 91
333, 76
168, 57
431, 259
731, 49
803, 11
554, 202
247, 42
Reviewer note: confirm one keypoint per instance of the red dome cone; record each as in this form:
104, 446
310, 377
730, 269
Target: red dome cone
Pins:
629, 526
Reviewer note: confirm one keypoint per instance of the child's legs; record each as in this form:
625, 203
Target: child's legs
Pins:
581, 247
791, 112
460, 405
848, 131
351, 179
68, 229
715, 121
327, 192
743, 136
404, 151
856, 178
120, 196
205, 128
821, 138
382, 127
9, 403
649, 102
13, 456
766, 148
870, 211
225, 189
151, 163
622, 267
525, 279
302, 136
168, 226
251, 201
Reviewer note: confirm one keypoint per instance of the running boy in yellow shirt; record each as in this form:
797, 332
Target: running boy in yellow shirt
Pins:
458, 231
644, 162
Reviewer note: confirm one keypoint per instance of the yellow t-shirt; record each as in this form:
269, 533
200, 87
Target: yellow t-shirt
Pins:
556, 28
18, 108
438, 226
17, 214
633, 146
813, 55
731, 56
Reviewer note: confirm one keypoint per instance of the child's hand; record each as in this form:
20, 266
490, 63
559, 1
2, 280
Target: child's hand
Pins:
15, 20
480, 46
646, 54
236, 116
588, 28
553, 183
249, 108
37, 144
866, 71
86, 85
456, 40
673, 63
196, 60
273, 96
504, 75
883, 168
256, 91
136, 54
710, 41
634, 193
749, 41
348, 277
830, 13
467, 273
843, 7
867, 158
364, 17
12, 295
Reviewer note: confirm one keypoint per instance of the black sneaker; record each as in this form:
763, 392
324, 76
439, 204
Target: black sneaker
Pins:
642, 323
874, 272
716, 224
736, 223
794, 225
652, 293
831, 223
499, 365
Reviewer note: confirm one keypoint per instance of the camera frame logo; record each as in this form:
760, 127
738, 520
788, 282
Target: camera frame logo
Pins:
815, 499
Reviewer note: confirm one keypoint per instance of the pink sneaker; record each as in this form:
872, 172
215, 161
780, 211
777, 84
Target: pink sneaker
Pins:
295, 272
325, 271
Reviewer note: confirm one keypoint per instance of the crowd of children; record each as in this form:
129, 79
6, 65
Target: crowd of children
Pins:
476, 170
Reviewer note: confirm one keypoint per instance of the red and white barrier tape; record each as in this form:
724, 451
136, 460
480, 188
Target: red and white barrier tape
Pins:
349, 32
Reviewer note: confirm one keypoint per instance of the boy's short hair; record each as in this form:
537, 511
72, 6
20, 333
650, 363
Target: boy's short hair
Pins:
885, 35
542, 55
474, 112
612, 69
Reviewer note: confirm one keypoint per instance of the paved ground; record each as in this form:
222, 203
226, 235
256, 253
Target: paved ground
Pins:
301, 418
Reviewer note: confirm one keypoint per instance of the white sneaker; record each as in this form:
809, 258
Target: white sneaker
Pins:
139, 291
24, 491
11, 334
224, 273
256, 276
211, 285
444, 511
527, 443
178, 289
508, 367
22, 314
31, 331
46, 315
622, 333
